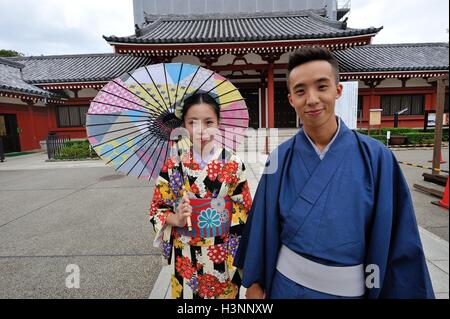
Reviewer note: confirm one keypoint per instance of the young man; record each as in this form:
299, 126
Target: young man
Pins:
336, 220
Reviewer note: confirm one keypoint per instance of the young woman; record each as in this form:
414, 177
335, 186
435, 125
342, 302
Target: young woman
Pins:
204, 187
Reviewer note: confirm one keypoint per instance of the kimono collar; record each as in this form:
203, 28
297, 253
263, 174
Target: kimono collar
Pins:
322, 153
206, 159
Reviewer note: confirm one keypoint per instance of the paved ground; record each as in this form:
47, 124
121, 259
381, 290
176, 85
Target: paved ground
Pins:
85, 215
431, 217
56, 214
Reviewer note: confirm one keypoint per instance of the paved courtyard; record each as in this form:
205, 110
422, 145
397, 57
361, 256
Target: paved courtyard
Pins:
85, 215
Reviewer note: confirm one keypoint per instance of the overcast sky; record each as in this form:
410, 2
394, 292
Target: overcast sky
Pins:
36, 27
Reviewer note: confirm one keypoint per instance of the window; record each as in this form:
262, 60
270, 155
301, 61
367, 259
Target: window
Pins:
72, 116
394, 103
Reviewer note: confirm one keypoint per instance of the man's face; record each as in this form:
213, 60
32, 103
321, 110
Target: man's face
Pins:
313, 92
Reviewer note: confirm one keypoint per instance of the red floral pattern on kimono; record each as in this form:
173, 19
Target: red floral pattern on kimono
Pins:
202, 266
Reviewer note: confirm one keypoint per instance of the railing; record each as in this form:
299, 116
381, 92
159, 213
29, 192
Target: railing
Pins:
55, 143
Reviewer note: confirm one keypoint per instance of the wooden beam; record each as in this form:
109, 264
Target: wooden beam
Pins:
430, 191
439, 78
435, 178
437, 149
263, 103
243, 67
271, 97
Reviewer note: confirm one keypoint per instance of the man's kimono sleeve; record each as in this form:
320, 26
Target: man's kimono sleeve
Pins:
395, 245
258, 250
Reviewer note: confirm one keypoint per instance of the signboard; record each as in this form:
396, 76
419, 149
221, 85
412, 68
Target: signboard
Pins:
429, 119
347, 105
375, 117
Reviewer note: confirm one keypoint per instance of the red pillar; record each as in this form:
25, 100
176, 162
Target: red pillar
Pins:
263, 106
34, 141
271, 96
372, 99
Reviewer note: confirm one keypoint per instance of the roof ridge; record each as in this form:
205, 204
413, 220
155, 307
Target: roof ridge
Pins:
90, 55
223, 16
404, 45
335, 24
13, 64
409, 44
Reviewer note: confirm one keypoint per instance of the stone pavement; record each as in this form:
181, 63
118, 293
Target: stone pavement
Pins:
53, 215
38, 161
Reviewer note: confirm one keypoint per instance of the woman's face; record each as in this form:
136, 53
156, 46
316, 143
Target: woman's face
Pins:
202, 123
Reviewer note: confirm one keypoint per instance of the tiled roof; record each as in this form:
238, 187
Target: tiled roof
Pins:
394, 57
11, 80
78, 68
239, 27
105, 67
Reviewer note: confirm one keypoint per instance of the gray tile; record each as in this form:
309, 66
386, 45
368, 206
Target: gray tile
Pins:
439, 279
442, 264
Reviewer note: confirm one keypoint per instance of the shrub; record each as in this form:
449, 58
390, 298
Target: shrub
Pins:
420, 138
76, 150
415, 136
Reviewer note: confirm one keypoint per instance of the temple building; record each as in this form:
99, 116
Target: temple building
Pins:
248, 42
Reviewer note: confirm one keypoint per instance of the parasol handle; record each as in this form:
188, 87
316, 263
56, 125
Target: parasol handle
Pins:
189, 222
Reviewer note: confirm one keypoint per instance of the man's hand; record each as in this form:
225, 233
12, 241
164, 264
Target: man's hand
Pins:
255, 292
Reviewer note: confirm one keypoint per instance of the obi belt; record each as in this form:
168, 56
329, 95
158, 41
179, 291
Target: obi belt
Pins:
210, 217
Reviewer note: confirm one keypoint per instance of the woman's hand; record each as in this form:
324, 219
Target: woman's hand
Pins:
184, 210
255, 292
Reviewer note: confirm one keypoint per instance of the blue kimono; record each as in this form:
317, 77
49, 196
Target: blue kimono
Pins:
353, 207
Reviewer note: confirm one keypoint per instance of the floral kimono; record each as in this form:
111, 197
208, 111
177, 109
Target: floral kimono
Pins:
202, 258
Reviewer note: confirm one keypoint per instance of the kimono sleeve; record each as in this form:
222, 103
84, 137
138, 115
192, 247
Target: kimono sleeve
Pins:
162, 204
395, 245
258, 250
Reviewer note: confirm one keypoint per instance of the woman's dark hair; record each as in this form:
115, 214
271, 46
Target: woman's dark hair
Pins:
200, 98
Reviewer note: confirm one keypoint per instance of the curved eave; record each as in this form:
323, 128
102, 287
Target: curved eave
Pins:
19, 94
70, 81
393, 74
12, 89
113, 40
219, 48
60, 85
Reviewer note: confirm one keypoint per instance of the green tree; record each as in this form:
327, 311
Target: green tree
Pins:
9, 53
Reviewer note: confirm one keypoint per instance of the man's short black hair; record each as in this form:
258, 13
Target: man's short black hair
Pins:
310, 53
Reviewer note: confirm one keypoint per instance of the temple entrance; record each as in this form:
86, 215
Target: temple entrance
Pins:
251, 97
285, 115
8, 133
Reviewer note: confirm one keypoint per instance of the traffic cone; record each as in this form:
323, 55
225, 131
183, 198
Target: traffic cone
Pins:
444, 201
441, 160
